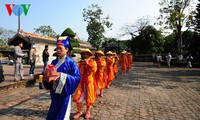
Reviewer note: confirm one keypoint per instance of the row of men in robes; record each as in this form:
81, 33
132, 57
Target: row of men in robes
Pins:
97, 73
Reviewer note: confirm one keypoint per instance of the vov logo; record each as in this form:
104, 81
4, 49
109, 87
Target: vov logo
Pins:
17, 10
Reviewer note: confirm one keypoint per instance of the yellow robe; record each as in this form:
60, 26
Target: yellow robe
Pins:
123, 62
130, 58
115, 65
109, 69
87, 79
100, 76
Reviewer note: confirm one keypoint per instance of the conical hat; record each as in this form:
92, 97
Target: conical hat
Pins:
86, 50
114, 53
100, 52
123, 52
109, 53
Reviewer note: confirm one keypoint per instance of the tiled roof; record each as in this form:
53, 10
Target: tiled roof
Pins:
36, 37
27, 34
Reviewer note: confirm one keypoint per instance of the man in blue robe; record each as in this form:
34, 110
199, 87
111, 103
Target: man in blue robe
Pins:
64, 83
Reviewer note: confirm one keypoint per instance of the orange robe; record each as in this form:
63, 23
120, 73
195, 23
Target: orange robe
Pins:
130, 58
109, 69
100, 76
123, 62
87, 81
115, 65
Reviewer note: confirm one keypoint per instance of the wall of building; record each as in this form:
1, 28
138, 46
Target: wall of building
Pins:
40, 47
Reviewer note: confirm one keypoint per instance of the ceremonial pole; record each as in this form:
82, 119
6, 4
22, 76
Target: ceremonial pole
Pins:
18, 20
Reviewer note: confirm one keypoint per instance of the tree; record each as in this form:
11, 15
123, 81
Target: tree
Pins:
187, 37
144, 37
96, 24
133, 29
2, 43
1, 31
194, 47
149, 40
110, 44
68, 32
45, 31
5, 34
170, 45
197, 19
175, 14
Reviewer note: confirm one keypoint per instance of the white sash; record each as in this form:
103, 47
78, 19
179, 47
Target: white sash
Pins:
62, 79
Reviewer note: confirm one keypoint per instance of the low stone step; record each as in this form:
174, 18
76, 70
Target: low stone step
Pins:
14, 85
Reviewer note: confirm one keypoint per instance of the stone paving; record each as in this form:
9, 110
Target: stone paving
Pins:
145, 93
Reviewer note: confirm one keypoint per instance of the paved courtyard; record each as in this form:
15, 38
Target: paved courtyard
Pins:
145, 93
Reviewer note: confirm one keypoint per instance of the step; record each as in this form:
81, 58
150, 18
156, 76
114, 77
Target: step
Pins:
13, 85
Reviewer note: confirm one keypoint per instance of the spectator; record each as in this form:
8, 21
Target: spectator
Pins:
168, 59
32, 60
45, 56
154, 58
1, 73
189, 59
18, 62
159, 60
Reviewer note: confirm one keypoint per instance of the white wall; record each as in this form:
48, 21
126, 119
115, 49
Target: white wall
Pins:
40, 47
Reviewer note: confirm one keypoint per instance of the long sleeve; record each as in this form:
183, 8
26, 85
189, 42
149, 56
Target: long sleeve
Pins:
18, 52
70, 76
73, 79
102, 65
91, 66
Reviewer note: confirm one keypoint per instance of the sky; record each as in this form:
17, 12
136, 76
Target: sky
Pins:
62, 14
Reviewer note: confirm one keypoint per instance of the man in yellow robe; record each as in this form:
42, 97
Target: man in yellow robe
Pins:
85, 88
123, 62
109, 68
115, 65
100, 76
130, 60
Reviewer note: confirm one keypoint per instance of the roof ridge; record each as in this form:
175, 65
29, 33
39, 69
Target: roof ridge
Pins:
37, 35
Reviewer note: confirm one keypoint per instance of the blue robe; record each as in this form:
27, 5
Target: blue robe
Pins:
61, 103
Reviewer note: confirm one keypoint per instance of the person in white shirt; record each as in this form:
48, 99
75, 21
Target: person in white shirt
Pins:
32, 60
168, 59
